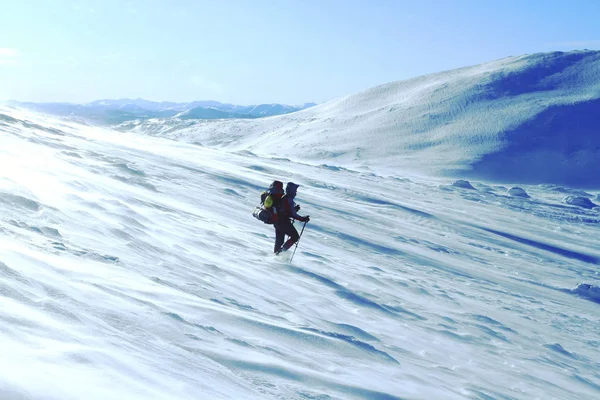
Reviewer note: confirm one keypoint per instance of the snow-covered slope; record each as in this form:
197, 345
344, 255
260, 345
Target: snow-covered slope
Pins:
528, 119
131, 268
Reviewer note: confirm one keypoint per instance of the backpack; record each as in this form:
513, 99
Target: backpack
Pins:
268, 214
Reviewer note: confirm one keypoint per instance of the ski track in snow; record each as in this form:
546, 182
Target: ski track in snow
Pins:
131, 267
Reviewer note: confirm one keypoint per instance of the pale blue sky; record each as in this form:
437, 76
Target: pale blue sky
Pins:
264, 51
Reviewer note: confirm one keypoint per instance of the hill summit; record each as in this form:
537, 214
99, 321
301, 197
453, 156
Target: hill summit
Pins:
529, 119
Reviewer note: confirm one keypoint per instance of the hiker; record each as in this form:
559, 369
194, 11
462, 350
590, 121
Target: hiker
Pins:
286, 211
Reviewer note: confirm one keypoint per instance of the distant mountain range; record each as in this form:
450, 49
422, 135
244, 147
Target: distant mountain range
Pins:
117, 111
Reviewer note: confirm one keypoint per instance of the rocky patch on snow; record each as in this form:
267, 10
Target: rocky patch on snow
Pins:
516, 191
579, 201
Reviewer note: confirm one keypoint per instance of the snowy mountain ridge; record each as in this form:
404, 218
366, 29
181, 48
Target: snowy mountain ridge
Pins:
527, 119
111, 112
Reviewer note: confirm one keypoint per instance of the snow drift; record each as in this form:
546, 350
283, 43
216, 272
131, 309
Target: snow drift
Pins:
528, 119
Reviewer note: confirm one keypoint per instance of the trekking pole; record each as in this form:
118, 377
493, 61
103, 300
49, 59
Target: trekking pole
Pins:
301, 232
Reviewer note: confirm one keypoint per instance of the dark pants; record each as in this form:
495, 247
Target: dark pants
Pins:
282, 229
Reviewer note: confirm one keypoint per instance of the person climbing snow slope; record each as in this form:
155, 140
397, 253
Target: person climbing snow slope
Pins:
287, 212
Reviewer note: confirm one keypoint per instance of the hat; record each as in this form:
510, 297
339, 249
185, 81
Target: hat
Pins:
276, 187
291, 188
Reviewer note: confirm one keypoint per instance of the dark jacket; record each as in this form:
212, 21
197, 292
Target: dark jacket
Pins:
287, 208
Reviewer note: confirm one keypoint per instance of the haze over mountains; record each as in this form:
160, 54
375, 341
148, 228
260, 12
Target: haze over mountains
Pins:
118, 111
527, 119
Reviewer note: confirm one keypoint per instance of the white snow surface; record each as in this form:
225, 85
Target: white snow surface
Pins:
527, 119
131, 268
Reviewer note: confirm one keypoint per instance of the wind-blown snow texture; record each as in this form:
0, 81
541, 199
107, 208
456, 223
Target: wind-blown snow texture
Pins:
131, 268
529, 119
